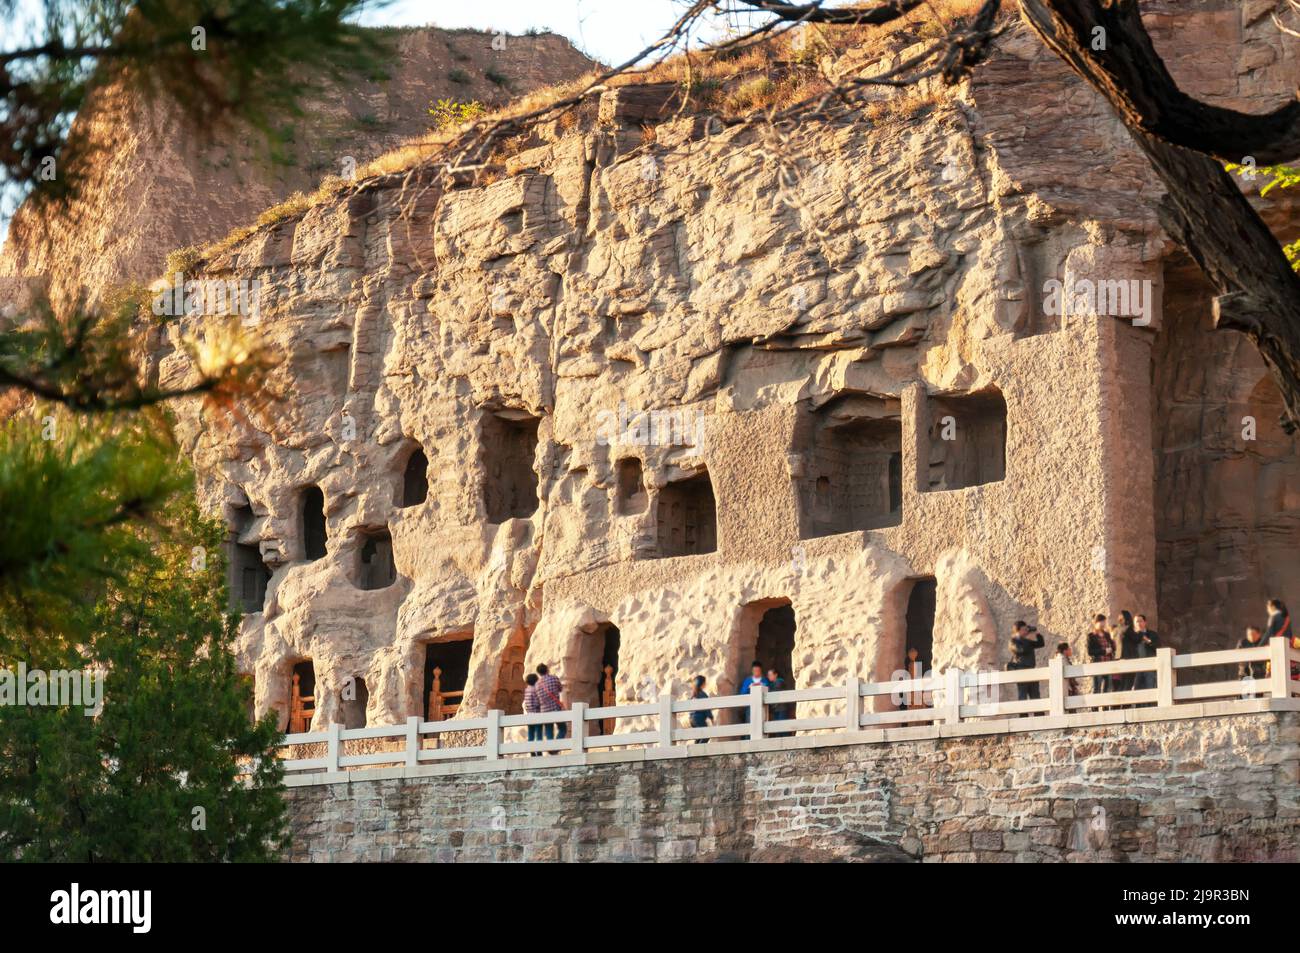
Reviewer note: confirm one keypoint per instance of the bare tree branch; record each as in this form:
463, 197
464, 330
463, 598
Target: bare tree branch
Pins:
816, 12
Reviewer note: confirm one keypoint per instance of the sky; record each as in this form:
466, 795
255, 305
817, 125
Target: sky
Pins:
611, 31
608, 30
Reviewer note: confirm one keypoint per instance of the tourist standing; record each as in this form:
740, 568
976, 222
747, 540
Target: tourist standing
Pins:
755, 680
1101, 648
781, 710
701, 717
1071, 684
1126, 643
1024, 641
1148, 640
548, 695
1253, 639
1279, 627
532, 707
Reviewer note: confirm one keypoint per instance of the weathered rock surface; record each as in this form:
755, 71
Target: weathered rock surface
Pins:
815, 316
689, 388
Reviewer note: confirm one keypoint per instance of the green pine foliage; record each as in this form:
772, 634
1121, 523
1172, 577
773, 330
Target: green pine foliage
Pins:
253, 62
1279, 177
111, 566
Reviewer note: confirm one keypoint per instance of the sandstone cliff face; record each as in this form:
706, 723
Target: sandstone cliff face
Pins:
158, 184
856, 387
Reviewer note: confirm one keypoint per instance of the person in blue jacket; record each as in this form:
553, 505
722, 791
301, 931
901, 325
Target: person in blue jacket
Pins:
756, 677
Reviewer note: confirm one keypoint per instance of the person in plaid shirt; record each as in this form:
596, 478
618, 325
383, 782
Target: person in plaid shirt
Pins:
531, 707
548, 696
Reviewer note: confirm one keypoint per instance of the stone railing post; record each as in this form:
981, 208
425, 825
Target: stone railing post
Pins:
332, 744
756, 712
952, 695
578, 730
853, 702
1165, 677
492, 735
1279, 668
665, 721
412, 741
1056, 690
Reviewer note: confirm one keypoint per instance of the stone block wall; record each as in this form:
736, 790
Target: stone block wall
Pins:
1204, 789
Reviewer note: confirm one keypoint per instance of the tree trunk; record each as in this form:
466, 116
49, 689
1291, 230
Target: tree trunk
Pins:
1204, 210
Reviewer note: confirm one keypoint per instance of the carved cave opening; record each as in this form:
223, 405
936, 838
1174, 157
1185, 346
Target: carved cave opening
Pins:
509, 448
509, 696
853, 467
775, 644
375, 567
302, 696
767, 630
597, 651
920, 623
968, 440
415, 479
353, 700
312, 516
247, 573
446, 672
631, 497
686, 517
249, 576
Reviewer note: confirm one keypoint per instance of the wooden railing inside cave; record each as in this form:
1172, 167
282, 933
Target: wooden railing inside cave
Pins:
942, 704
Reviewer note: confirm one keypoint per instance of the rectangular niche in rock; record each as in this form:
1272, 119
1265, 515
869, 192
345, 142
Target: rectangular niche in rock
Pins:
687, 518
446, 670
248, 578
509, 446
248, 574
853, 474
968, 440
631, 497
375, 567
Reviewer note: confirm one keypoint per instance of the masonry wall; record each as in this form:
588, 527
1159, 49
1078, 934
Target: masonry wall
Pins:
1202, 789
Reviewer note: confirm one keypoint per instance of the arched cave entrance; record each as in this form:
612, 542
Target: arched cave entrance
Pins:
313, 523
247, 573
302, 696
766, 634
920, 620
353, 700
415, 479
595, 651
919, 634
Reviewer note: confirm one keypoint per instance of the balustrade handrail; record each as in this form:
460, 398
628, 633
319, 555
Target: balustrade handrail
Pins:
949, 703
